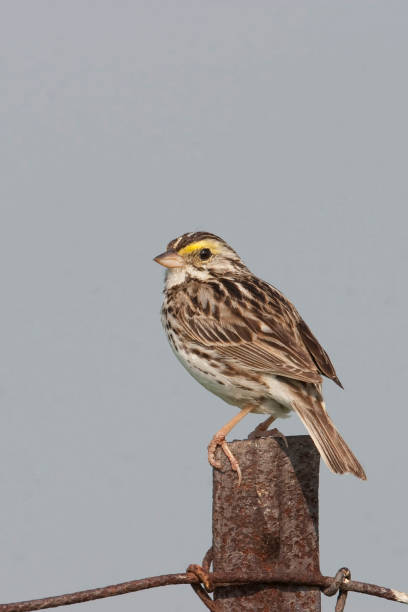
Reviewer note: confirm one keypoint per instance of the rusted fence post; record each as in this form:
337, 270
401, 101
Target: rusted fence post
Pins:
270, 522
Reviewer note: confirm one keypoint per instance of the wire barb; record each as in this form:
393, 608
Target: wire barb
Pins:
202, 572
342, 576
202, 575
216, 579
205, 598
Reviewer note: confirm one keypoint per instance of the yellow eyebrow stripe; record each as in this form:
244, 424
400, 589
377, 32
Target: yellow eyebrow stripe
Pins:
201, 244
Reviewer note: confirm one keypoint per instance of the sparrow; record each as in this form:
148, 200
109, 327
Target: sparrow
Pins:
244, 341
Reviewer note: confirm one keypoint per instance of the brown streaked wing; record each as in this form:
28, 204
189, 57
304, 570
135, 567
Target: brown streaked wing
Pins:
237, 334
318, 353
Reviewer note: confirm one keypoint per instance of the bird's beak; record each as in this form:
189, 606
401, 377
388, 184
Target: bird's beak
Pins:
170, 259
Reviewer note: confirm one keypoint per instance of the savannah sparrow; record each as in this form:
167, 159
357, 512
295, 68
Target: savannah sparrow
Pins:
244, 341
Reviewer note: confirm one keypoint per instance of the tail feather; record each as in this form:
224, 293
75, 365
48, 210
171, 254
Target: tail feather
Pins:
327, 439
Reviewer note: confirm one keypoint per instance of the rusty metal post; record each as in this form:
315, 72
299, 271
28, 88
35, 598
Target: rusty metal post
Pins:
269, 522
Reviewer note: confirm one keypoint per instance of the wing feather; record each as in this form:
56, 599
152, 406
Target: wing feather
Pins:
265, 339
318, 353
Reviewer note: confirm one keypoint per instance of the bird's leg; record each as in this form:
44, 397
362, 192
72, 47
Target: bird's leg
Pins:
219, 440
261, 431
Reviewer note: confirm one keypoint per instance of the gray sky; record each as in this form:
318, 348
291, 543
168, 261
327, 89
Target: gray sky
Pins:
281, 127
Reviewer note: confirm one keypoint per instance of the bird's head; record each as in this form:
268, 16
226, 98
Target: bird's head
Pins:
198, 255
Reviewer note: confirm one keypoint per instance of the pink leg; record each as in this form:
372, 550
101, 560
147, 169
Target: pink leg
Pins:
219, 440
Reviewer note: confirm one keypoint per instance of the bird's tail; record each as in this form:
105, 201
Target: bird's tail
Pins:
327, 439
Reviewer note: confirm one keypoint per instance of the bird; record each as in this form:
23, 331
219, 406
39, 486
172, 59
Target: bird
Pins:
244, 341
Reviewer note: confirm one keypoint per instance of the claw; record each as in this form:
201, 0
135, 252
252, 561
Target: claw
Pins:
260, 432
234, 463
219, 440
212, 447
275, 433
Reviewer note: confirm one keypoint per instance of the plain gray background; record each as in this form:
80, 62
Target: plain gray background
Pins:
281, 126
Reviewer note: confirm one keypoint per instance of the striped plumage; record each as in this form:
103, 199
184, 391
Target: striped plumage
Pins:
244, 341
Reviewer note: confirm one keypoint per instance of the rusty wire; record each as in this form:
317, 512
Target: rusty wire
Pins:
217, 579
203, 574
342, 577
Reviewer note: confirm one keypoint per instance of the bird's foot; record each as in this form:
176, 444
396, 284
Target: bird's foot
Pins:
219, 440
262, 432
261, 429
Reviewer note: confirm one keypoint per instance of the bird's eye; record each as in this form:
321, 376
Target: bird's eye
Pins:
205, 254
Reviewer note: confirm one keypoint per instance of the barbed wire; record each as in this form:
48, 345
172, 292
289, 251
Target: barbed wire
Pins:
329, 586
295, 481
